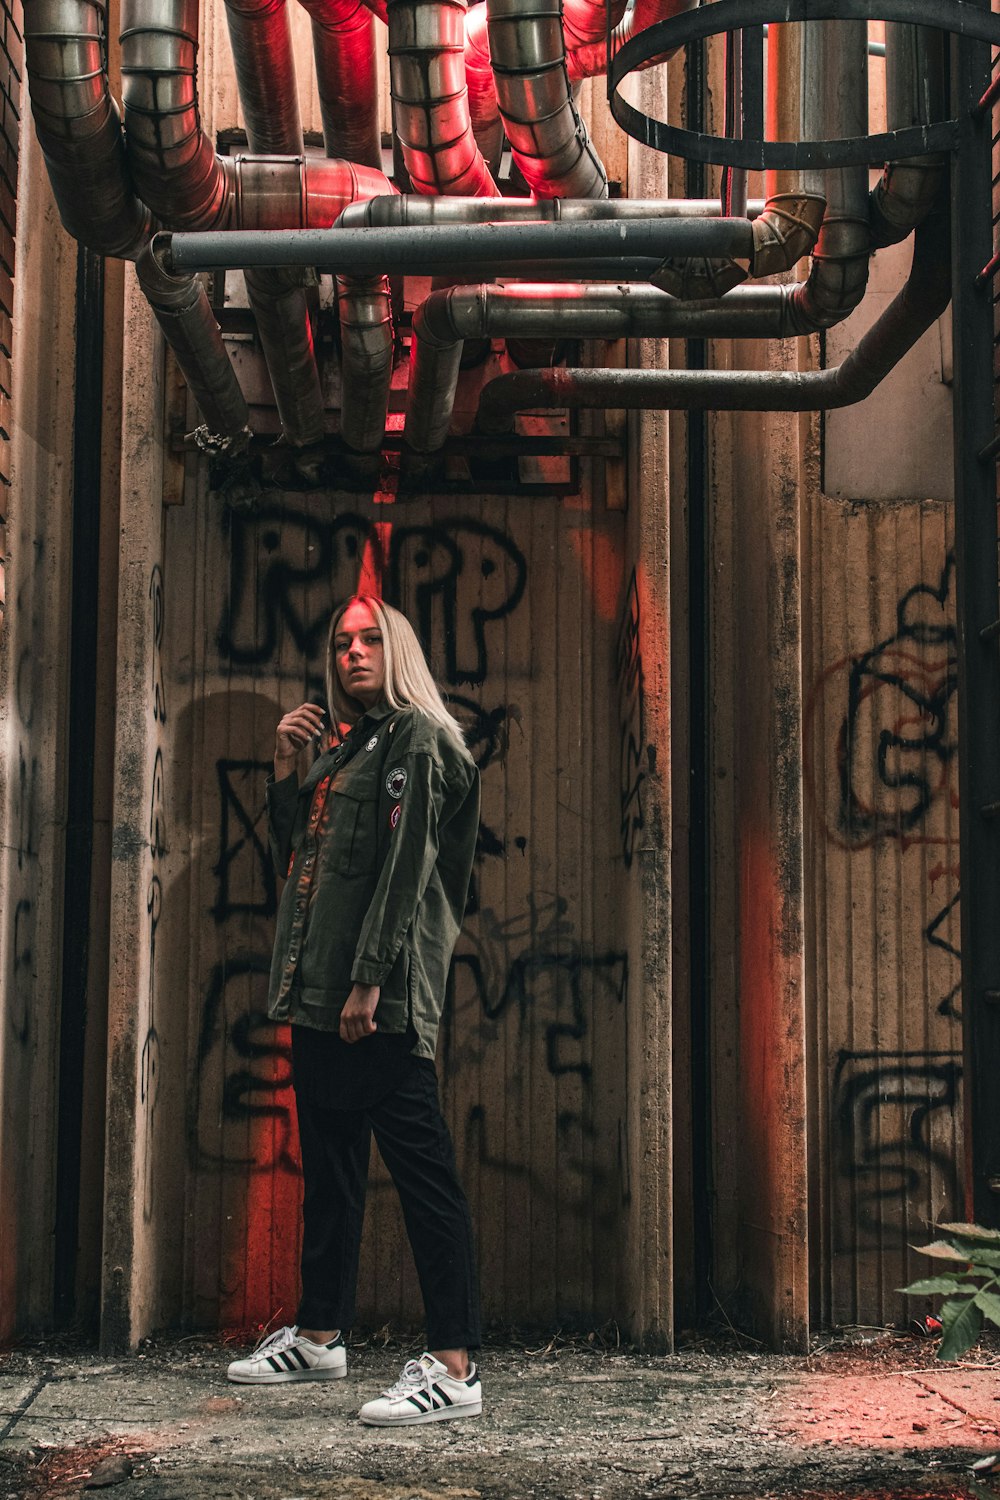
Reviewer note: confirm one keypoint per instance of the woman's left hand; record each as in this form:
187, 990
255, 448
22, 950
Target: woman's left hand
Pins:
357, 1019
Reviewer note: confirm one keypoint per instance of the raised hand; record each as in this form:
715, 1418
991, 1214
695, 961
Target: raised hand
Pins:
294, 731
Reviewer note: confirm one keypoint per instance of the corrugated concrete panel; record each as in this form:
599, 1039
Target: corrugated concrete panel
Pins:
881, 778
520, 602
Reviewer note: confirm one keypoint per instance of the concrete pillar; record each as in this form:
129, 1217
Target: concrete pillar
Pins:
644, 728
33, 686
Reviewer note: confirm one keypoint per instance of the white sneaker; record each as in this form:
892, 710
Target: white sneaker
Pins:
286, 1355
425, 1392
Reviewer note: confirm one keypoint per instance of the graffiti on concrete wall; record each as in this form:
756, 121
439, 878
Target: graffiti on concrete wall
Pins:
459, 580
886, 1107
887, 716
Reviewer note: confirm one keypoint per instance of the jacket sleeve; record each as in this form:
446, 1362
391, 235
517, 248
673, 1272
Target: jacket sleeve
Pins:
409, 863
282, 801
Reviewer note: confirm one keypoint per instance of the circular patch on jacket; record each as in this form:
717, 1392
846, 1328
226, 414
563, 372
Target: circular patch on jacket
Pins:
395, 782
394, 815
372, 742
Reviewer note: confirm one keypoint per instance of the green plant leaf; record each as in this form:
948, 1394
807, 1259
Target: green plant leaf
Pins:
989, 1302
942, 1250
980, 1256
934, 1285
972, 1232
962, 1323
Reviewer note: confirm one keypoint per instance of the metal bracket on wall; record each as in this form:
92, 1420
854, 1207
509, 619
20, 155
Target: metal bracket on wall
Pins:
751, 151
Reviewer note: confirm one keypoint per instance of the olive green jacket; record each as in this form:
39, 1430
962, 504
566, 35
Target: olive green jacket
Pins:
378, 842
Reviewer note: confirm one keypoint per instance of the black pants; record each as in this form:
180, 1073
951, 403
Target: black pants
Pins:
414, 1143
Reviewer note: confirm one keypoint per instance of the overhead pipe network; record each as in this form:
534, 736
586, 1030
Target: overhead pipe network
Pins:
148, 185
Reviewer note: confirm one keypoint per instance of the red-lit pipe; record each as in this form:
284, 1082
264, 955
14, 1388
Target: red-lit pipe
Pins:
548, 139
589, 59
431, 100
261, 43
347, 79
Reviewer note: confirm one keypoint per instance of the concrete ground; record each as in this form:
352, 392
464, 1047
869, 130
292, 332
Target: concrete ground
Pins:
562, 1421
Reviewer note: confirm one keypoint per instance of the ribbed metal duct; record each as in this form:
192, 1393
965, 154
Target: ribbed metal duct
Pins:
261, 42
915, 95
346, 79
548, 139
431, 99
78, 126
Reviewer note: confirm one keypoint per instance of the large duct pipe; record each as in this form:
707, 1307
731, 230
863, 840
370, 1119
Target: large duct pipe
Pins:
915, 95
172, 160
265, 74
548, 139
78, 127
366, 367
590, 59
447, 318
261, 42
183, 312
835, 103
431, 100
487, 127
347, 79
445, 248
921, 301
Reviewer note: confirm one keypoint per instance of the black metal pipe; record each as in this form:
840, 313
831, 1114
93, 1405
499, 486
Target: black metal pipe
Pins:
444, 248
921, 301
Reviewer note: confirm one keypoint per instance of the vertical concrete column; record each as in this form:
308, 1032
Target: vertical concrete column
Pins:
132, 1223
644, 725
34, 653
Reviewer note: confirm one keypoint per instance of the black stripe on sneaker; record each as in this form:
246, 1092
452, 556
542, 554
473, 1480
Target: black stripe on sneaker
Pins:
303, 1362
289, 1361
275, 1363
443, 1394
418, 1403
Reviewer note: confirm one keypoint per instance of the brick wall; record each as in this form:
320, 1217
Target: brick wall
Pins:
11, 73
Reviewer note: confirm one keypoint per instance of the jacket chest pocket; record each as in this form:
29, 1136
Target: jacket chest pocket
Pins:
351, 837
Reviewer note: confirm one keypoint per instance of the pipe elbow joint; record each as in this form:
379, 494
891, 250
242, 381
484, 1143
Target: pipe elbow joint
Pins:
787, 230
695, 279
164, 289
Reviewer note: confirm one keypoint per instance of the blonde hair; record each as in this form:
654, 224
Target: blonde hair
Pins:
408, 681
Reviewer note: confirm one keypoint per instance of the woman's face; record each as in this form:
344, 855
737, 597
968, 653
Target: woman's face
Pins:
357, 647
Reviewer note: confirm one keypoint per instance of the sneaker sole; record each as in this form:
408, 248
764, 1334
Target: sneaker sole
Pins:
285, 1377
442, 1414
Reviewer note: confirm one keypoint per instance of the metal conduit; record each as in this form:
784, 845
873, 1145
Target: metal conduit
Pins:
366, 367
261, 41
431, 100
444, 248
78, 126
346, 79
915, 95
183, 312
447, 318
548, 139
921, 301
590, 59
408, 208
172, 160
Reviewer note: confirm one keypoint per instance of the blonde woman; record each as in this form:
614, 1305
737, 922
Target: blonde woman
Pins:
378, 841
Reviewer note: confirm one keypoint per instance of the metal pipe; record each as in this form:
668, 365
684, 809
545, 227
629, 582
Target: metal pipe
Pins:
431, 100
285, 330
182, 310
365, 308
835, 103
261, 42
446, 319
484, 112
347, 79
443, 248
409, 208
548, 139
78, 126
172, 160
920, 302
590, 59
915, 95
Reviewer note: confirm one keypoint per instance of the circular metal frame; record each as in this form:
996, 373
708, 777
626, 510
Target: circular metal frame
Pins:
959, 17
